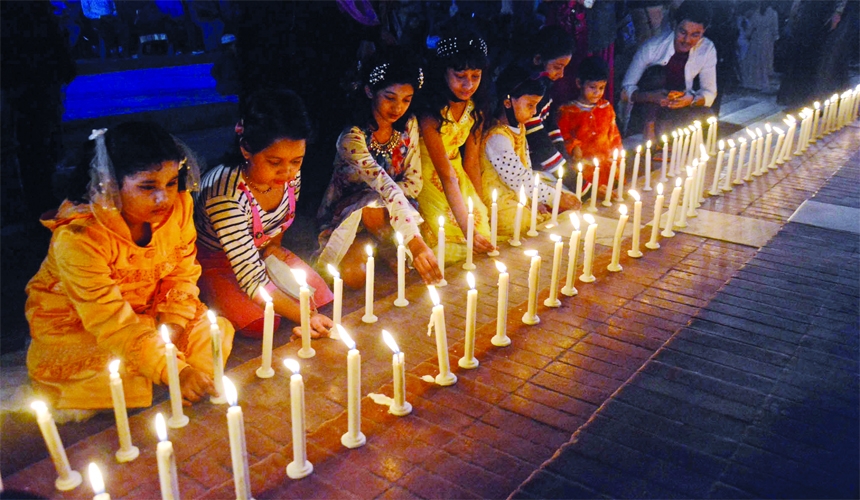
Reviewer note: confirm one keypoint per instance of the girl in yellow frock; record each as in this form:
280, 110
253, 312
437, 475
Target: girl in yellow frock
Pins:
451, 116
505, 161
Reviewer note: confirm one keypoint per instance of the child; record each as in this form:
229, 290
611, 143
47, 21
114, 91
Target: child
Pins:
588, 123
505, 162
121, 262
377, 175
451, 117
241, 214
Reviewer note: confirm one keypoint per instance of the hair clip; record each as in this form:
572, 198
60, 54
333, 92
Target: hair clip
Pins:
446, 47
377, 74
420, 77
481, 44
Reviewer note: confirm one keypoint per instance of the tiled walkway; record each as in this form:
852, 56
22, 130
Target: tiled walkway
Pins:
745, 360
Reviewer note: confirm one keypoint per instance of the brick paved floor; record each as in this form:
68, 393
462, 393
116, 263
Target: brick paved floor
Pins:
488, 433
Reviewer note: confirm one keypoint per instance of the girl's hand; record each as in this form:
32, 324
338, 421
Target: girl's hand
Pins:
569, 201
424, 261
684, 101
320, 327
482, 245
276, 250
194, 384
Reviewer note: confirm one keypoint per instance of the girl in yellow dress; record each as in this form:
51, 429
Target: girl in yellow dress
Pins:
452, 114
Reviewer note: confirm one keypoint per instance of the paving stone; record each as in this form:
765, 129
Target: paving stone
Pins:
545, 484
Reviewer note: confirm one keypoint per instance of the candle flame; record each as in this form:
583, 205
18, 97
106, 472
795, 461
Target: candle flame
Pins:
441, 221
165, 334
758, 132
555, 238
213, 319
369, 250
768, 128
742, 140
712, 119
817, 105
398, 237
113, 367
623, 153
665, 139
660, 188
537, 179
265, 295
751, 134
579, 167
623, 209
301, 276
560, 172
230, 393
678, 182
721, 144
731, 143
790, 118
434, 295
332, 270
634, 194
501, 267
697, 124
596, 162
522, 194
588, 218
574, 219
39, 406
638, 149
470, 279
96, 480
531, 253
350, 344
778, 130
292, 365
160, 428
674, 134
648, 144
471, 207
390, 342
495, 195
615, 154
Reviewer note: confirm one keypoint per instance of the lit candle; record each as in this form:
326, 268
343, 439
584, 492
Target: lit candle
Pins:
715, 184
177, 418
556, 199
751, 160
552, 300
468, 360
470, 235
595, 183
635, 251
700, 177
663, 172
401, 301
265, 370
67, 479
635, 178
369, 317
697, 141
610, 184
688, 194
305, 312
533, 227
614, 265
501, 339
789, 138
353, 438
518, 219
97, 482
743, 150
494, 225
673, 166
727, 183
530, 317
775, 153
759, 152
337, 305
588, 250
712, 134
440, 250
300, 466
166, 460
805, 123
127, 451
647, 186
813, 133
824, 116
569, 289
673, 206
622, 171
768, 141
399, 406
655, 224
579, 181
685, 146
238, 449
437, 324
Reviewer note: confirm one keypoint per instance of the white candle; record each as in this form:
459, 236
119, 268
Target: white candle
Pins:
727, 183
663, 172
437, 324
67, 479
635, 251
569, 289
614, 265
688, 194
775, 153
177, 417
635, 177
813, 133
552, 300
501, 339
518, 219
265, 370
673, 166
712, 134
743, 150
805, 123
556, 199
494, 225
700, 177
399, 406
751, 159
697, 141
579, 181
127, 451
440, 250
401, 301
595, 184
824, 118
468, 360
673, 206
533, 227
789, 139
470, 235
305, 313
238, 449
611, 183
768, 142
759, 152
655, 225
369, 317
715, 184
337, 304
97, 482
300, 466
353, 438
588, 250
685, 147
647, 186
530, 317
622, 171
166, 459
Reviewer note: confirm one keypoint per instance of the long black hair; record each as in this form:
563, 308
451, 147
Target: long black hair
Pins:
381, 70
516, 81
